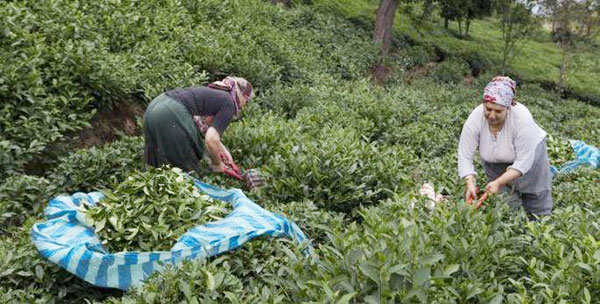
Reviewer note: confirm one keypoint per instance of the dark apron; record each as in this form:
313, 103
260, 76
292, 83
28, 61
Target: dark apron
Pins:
170, 135
534, 189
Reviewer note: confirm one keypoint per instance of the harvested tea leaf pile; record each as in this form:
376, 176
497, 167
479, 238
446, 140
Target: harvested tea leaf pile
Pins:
150, 210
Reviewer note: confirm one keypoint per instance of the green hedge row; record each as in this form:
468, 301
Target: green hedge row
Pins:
70, 57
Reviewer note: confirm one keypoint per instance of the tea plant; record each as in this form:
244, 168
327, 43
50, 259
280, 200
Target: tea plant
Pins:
343, 158
22, 197
27, 277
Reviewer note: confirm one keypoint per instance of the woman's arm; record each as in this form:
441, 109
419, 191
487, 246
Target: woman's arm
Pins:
212, 141
467, 145
508, 176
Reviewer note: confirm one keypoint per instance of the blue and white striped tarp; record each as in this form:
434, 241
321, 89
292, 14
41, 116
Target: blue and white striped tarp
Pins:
67, 240
585, 155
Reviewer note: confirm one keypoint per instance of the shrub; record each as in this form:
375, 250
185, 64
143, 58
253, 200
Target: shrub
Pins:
98, 167
416, 55
22, 197
450, 71
28, 277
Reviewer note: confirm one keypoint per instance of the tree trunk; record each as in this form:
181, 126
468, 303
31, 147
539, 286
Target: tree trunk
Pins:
459, 27
505, 55
564, 67
383, 35
446, 23
588, 23
286, 3
384, 24
467, 26
565, 41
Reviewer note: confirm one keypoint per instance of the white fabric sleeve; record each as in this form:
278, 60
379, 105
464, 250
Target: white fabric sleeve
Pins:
526, 141
469, 141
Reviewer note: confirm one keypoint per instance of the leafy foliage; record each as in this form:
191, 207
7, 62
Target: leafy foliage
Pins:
26, 277
73, 56
20, 198
150, 210
451, 71
343, 158
99, 167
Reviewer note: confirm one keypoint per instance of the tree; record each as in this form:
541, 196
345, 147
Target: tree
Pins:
450, 10
549, 8
384, 24
463, 10
517, 24
476, 9
383, 33
576, 24
592, 18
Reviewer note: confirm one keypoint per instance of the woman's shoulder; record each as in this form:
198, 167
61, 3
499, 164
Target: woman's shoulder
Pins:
521, 115
475, 118
477, 112
521, 111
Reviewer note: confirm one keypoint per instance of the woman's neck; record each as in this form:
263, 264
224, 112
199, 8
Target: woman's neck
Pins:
495, 128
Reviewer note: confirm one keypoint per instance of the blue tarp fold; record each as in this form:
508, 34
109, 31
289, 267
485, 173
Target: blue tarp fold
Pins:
584, 155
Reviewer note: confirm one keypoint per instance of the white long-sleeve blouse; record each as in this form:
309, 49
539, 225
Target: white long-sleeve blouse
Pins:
515, 143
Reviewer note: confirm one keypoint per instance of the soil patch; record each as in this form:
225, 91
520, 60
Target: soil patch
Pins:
108, 122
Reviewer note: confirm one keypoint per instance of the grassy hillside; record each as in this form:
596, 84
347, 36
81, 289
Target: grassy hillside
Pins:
343, 158
538, 61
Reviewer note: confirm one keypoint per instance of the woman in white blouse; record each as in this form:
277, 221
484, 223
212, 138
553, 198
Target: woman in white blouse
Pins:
512, 147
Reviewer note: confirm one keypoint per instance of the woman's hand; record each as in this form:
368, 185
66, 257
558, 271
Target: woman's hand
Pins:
509, 176
493, 187
220, 167
471, 192
226, 155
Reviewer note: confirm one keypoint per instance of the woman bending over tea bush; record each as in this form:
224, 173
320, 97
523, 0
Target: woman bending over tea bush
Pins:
180, 123
512, 148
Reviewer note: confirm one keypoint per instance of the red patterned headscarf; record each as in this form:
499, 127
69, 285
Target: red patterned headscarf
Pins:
238, 87
501, 90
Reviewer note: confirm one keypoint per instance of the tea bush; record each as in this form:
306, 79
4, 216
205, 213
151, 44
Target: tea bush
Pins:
21, 197
336, 170
314, 221
416, 55
27, 277
451, 71
98, 167
248, 275
342, 158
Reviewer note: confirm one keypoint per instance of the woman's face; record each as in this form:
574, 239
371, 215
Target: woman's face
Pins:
495, 114
243, 101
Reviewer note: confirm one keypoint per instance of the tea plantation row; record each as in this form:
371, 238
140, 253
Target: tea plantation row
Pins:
343, 158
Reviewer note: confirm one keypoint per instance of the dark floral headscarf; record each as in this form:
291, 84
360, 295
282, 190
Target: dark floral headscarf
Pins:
238, 87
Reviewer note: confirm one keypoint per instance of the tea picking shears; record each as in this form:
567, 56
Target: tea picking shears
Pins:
252, 177
231, 168
480, 201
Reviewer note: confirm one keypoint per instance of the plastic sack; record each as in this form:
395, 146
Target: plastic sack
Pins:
66, 239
